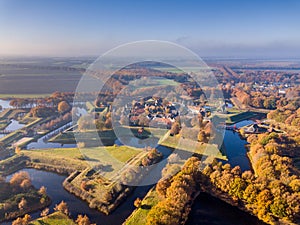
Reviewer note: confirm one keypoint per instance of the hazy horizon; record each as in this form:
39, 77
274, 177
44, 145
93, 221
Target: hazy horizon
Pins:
218, 29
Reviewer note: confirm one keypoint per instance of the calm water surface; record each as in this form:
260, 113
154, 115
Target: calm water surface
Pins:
53, 183
206, 210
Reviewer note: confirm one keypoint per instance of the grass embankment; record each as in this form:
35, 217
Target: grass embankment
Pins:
197, 148
13, 136
16, 135
62, 160
232, 119
169, 69
88, 137
75, 159
107, 136
12, 113
5, 113
54, 219
139, 216
99, 186
12, 164
121, 153
90, 106
166, 140
4, 123
154, 82
65, 160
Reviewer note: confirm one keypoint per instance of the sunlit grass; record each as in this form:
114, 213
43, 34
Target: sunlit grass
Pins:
54, 219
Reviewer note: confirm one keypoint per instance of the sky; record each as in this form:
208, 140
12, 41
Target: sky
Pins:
211, 28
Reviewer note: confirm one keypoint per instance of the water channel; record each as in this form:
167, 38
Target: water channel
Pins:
206, 210
42, 142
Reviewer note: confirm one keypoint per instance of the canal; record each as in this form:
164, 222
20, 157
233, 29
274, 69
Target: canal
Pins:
53, 183
206, 210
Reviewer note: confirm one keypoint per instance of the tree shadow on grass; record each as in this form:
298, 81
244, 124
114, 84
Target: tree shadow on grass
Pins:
146, 207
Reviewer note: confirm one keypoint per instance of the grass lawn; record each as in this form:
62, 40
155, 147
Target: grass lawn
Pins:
100, 185
74, 158
12, 113
112, 157
154, 82
66, 157
5, 113
122, 153
138, 217
90, 106
192, 146
16, 135
109, 135
169, 69
242, 116
148, 131
177, 70
235, 116
54, 219
11, 137
11, 165
3, 123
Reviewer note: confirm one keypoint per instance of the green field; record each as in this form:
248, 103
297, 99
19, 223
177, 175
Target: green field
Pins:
139, 216
18, 134
74, 158
194, 147
108, 135
153, 82
177, 70
240, 117
54, 219
3, 124
235, 116
169, 69
160, 135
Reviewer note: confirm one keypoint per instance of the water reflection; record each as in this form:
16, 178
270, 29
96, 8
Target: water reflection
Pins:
5, 104
208, 210
14, 125
42, 142
235, 149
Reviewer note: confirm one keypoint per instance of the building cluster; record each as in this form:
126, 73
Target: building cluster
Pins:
152, 109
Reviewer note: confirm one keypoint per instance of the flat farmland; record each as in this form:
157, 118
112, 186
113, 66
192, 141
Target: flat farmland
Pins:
42, 81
